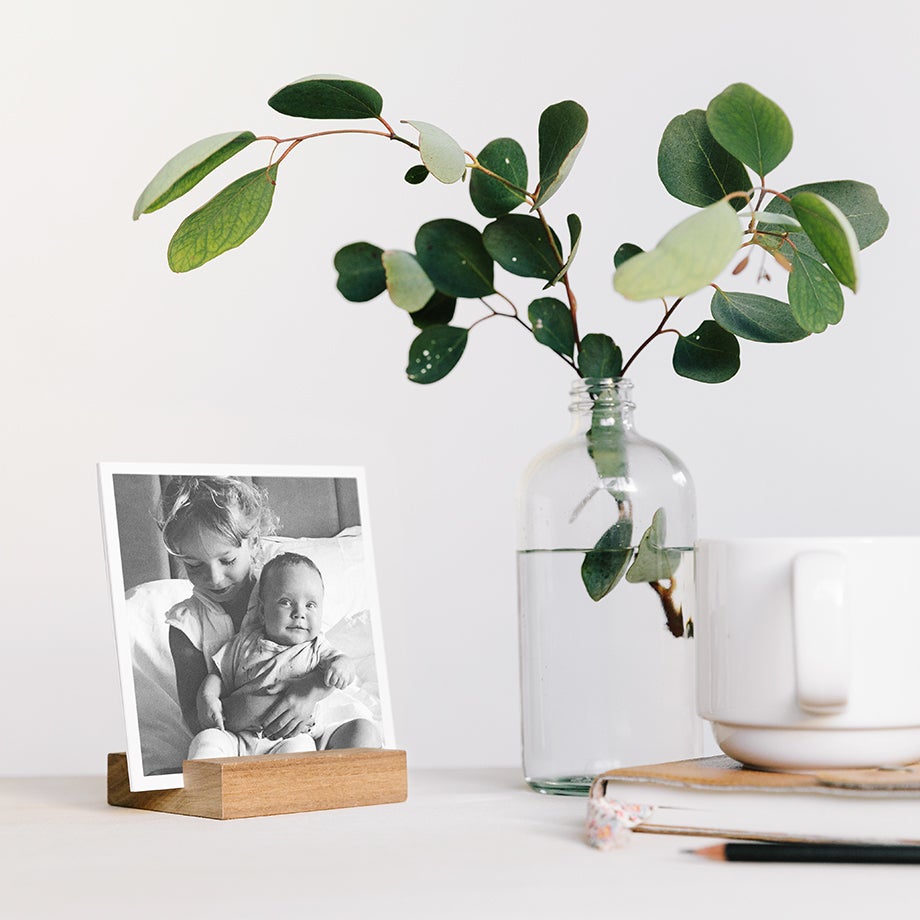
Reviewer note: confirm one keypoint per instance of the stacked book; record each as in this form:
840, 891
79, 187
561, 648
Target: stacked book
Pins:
719, 797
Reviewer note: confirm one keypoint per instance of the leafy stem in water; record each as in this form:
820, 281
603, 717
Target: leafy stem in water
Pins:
706, 157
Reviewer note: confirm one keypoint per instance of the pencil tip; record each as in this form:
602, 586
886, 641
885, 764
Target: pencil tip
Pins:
714, 852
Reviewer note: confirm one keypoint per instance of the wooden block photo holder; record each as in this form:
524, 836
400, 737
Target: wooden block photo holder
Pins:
271, 784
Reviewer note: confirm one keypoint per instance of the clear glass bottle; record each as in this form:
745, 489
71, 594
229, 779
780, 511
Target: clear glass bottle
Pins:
605, 682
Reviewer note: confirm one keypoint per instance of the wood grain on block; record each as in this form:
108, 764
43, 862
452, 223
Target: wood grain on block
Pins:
271, 784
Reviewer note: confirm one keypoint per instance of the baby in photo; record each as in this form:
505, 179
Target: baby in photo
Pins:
282, 642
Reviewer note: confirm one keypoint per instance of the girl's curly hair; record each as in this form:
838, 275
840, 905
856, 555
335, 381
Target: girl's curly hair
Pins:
227, 505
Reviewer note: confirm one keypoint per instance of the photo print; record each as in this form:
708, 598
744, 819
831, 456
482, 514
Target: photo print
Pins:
246, 613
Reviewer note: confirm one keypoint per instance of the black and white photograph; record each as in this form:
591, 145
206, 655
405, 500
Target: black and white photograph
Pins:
246, 613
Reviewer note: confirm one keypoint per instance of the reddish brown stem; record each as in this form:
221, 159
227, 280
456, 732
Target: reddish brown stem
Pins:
672, 611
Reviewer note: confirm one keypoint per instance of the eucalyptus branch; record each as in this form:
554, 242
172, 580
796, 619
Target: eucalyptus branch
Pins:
674, 615
753, 224
490, 315
569, 293
475, 164
515, 315
514, 309
386, 125
658, 331
550, 237
293, 142
707, 158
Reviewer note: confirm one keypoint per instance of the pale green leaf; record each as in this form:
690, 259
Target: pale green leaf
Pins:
653, 561
226, 221
689, 256
188, 167
407, 284
777, 220
443, 156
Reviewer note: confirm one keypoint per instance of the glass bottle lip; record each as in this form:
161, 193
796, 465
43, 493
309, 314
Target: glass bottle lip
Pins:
601, 392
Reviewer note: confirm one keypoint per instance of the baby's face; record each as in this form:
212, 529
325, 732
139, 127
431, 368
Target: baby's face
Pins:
292, 605
218, 569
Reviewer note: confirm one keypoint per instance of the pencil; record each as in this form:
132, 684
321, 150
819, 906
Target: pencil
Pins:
812, 852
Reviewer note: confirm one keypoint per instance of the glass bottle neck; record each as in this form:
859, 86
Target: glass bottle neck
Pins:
602, 404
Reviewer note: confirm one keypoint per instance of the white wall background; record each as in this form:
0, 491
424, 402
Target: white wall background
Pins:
255, 358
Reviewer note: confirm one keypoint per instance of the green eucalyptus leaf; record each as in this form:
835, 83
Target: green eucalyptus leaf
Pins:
226, 221
653, 561
599, 357
521, 245
434, 353
416, 175
765, 219
755, 317
439, 311
605, 565
327, 96
689, 256
711, 354
409, 287
562, 131
607, 449
454, 258
443, 156
188, 167
361, 273
750, 127
505, 157
625, 251
552, 325
694, 168
606, 436
857, 202
814, 294
574, 224
832, 235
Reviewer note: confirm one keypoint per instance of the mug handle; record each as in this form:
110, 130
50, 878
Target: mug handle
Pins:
821, 628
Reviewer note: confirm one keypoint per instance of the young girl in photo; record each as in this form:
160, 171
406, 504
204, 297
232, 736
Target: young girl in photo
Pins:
214, 525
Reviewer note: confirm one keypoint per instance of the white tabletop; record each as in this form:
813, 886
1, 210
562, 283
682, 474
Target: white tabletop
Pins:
467, 843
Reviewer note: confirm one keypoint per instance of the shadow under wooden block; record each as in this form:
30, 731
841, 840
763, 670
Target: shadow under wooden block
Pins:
271, 784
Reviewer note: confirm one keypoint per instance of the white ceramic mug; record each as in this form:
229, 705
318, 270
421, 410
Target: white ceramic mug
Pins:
809, 649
